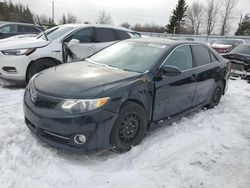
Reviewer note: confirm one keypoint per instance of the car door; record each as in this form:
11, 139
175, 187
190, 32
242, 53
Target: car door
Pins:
81, 43
104, 37
207, 71
174, 94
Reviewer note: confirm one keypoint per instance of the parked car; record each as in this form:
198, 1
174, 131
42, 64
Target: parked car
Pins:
240, 59
113, 97
21, 59
225, 45
9, 29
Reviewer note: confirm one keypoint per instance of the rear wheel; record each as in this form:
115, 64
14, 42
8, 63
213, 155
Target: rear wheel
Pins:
39, 66
129, 128
216, 95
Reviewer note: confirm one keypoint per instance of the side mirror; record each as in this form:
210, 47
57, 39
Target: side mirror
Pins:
167, 70
73, 42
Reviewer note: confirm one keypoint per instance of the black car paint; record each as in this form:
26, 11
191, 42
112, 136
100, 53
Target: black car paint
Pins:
158, 95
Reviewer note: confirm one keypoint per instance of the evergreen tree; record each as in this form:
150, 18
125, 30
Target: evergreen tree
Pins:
244, 26
176, 20
15, 12
64, 21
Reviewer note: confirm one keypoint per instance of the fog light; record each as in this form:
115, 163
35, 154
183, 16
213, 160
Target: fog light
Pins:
9, 69
80, 139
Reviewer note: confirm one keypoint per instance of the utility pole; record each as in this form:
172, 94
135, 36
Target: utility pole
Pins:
53, 11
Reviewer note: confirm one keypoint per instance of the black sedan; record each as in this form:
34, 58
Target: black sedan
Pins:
113, 98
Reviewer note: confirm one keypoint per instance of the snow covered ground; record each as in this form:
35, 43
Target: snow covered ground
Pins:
210, 148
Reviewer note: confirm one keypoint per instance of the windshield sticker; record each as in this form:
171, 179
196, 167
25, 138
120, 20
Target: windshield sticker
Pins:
157, 45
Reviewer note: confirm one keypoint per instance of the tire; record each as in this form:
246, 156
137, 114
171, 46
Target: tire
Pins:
39, 66
216, 95
129, 128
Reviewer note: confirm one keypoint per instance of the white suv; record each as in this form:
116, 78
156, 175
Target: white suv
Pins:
20, 59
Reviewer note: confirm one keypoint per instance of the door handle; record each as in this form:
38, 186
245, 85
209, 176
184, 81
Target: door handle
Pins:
90, 48
193, 77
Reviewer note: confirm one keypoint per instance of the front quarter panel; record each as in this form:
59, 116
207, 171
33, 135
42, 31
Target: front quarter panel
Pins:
139, 91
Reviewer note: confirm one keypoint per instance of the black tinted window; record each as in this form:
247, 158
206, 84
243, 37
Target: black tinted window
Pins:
201, 55
121, 35
181, 58
9, 29
104, 35
84, 35
27, 29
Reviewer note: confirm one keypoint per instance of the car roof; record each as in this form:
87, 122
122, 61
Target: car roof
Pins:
98, 25
165, 41
18, 23
230, 39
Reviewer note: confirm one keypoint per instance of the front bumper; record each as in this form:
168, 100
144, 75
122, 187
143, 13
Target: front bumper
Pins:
17, 65
59, 130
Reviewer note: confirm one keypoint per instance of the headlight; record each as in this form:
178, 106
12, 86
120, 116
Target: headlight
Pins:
19, 52
76, 106
30, 84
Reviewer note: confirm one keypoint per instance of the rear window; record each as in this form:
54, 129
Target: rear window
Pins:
241, 49
122, 35
227, 42
202, 55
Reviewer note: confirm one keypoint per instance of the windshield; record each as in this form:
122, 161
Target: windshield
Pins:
130, 55
241, 49
228, 42
55, 32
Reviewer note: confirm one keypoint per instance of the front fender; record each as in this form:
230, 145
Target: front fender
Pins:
139, 91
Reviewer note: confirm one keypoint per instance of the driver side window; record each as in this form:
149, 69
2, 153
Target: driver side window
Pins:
181, 58
85, 35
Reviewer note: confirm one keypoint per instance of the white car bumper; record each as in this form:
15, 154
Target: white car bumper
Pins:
13, 68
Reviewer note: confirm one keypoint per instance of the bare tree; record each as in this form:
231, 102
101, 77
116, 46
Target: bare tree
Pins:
228, 6
63, 20
212, 11
104, 18
43, 18
126, 25
194, 17
71, 18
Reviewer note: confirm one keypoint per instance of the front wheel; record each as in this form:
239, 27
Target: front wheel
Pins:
216, 95
129, 128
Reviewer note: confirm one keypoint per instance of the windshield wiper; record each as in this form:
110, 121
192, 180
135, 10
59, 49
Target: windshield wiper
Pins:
46, 37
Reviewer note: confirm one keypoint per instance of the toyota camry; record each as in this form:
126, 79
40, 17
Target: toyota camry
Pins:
113, 98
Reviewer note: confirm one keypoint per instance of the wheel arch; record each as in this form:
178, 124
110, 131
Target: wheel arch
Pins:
56, 61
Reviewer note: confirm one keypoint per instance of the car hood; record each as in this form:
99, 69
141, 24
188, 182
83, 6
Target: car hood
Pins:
221, 46
240, 57
81, 80
21, 43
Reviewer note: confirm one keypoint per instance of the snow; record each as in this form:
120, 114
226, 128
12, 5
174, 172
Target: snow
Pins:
209, 148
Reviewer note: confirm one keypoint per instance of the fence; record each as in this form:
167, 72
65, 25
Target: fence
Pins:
199, 38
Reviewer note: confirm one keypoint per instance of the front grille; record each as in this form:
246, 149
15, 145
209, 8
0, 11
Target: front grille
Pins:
45, 104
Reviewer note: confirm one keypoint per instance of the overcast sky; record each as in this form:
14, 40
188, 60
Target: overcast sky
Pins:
136, 11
